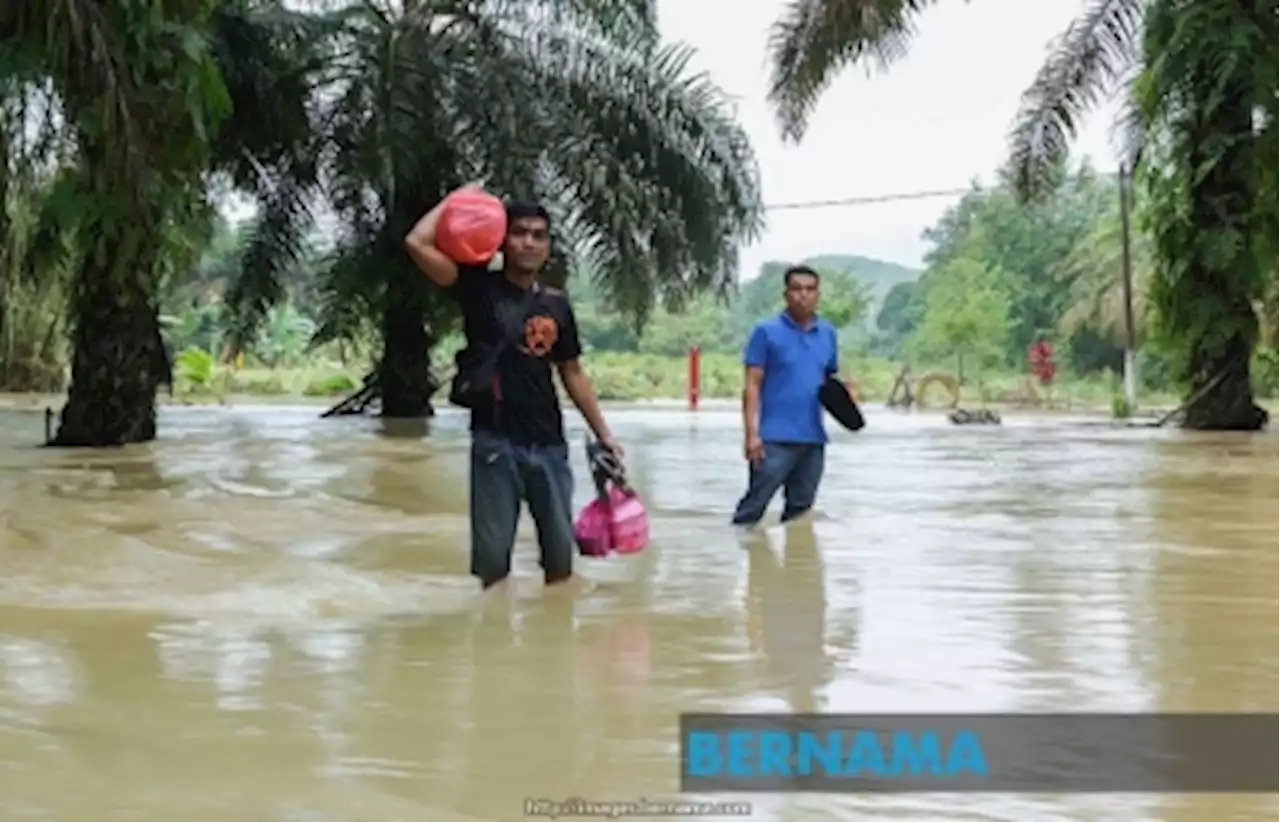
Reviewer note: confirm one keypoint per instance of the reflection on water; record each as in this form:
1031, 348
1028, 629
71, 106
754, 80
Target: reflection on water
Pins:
786, 617
265, 616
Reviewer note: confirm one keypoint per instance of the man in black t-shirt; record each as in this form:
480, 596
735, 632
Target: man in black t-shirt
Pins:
518, 449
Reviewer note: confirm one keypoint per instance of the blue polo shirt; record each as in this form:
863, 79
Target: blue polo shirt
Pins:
796, 361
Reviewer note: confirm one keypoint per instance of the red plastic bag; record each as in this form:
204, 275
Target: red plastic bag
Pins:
472, 227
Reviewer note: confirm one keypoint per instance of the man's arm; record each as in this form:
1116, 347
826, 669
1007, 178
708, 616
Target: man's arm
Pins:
566, 355
754, 358
421, 245
578, 385
751, 401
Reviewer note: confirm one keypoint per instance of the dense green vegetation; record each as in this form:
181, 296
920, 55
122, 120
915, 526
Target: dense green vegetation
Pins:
1199, 79
998, 276
124, 126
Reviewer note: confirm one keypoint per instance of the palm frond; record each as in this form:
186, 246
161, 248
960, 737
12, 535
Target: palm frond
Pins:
273, 246
655, 184
350, 294
1085, 63
37, 142
1129, 132
53, 242
268, 57
1267, 148
106, 62
76, 42
814, 40
1094, 269
633, 23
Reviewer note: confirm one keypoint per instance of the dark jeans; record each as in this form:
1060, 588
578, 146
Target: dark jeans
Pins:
503, 474
796, 468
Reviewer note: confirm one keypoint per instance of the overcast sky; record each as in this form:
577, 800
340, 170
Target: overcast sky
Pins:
935, 121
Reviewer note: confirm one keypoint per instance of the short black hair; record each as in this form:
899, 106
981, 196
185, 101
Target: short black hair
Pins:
522, 210
798, 271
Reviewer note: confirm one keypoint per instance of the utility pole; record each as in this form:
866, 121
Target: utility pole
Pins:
1130, 333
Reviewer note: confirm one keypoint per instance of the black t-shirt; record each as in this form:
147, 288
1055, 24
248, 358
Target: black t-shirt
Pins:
527, 408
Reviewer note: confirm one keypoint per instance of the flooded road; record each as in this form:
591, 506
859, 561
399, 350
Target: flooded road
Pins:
266, 616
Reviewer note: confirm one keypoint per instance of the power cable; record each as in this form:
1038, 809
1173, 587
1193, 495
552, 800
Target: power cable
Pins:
856, 201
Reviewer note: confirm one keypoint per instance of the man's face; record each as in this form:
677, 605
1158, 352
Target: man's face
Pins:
528, 244
802, 294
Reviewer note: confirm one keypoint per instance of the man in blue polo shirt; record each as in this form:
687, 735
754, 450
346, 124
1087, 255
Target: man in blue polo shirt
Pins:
787, 360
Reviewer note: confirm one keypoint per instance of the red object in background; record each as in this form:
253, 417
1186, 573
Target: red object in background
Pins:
695, 355
472, 227
1040, 360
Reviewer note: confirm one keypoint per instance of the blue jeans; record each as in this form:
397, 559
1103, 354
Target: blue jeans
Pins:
504, 474
796, 468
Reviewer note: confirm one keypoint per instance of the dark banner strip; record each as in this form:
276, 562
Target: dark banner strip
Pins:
1006, 753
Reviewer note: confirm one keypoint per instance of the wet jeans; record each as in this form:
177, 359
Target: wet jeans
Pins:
796, 468
504, 474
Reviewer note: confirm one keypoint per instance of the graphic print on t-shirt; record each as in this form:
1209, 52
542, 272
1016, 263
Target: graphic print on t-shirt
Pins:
540, 334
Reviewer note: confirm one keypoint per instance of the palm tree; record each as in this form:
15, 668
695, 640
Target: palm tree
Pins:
1200, 78
570, 102
137, 91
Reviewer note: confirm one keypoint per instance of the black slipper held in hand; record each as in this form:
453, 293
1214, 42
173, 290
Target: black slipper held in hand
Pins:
835, 397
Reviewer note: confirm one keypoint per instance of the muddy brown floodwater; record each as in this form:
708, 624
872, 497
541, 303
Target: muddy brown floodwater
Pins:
266, 616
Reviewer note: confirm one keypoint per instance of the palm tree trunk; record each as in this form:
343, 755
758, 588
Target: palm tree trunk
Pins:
1218, 200
119, 360
1228, 405
405, 371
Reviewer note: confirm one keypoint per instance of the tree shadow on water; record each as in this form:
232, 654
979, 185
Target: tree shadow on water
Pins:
1211, 590
404, 428
141, 474
88, 474
1205, 603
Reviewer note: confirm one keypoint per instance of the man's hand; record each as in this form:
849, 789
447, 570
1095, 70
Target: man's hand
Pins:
754, 449
610, 443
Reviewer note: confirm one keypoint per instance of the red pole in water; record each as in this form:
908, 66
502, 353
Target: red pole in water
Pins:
694, 357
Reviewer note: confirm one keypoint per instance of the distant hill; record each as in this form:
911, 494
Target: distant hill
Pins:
879, 276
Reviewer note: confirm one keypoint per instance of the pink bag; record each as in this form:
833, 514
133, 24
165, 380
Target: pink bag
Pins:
595, 538
618, 523
629, 522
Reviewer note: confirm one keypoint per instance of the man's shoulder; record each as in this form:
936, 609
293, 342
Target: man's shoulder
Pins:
475, 273
826, 327
554, 299
471, 278
767, 325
